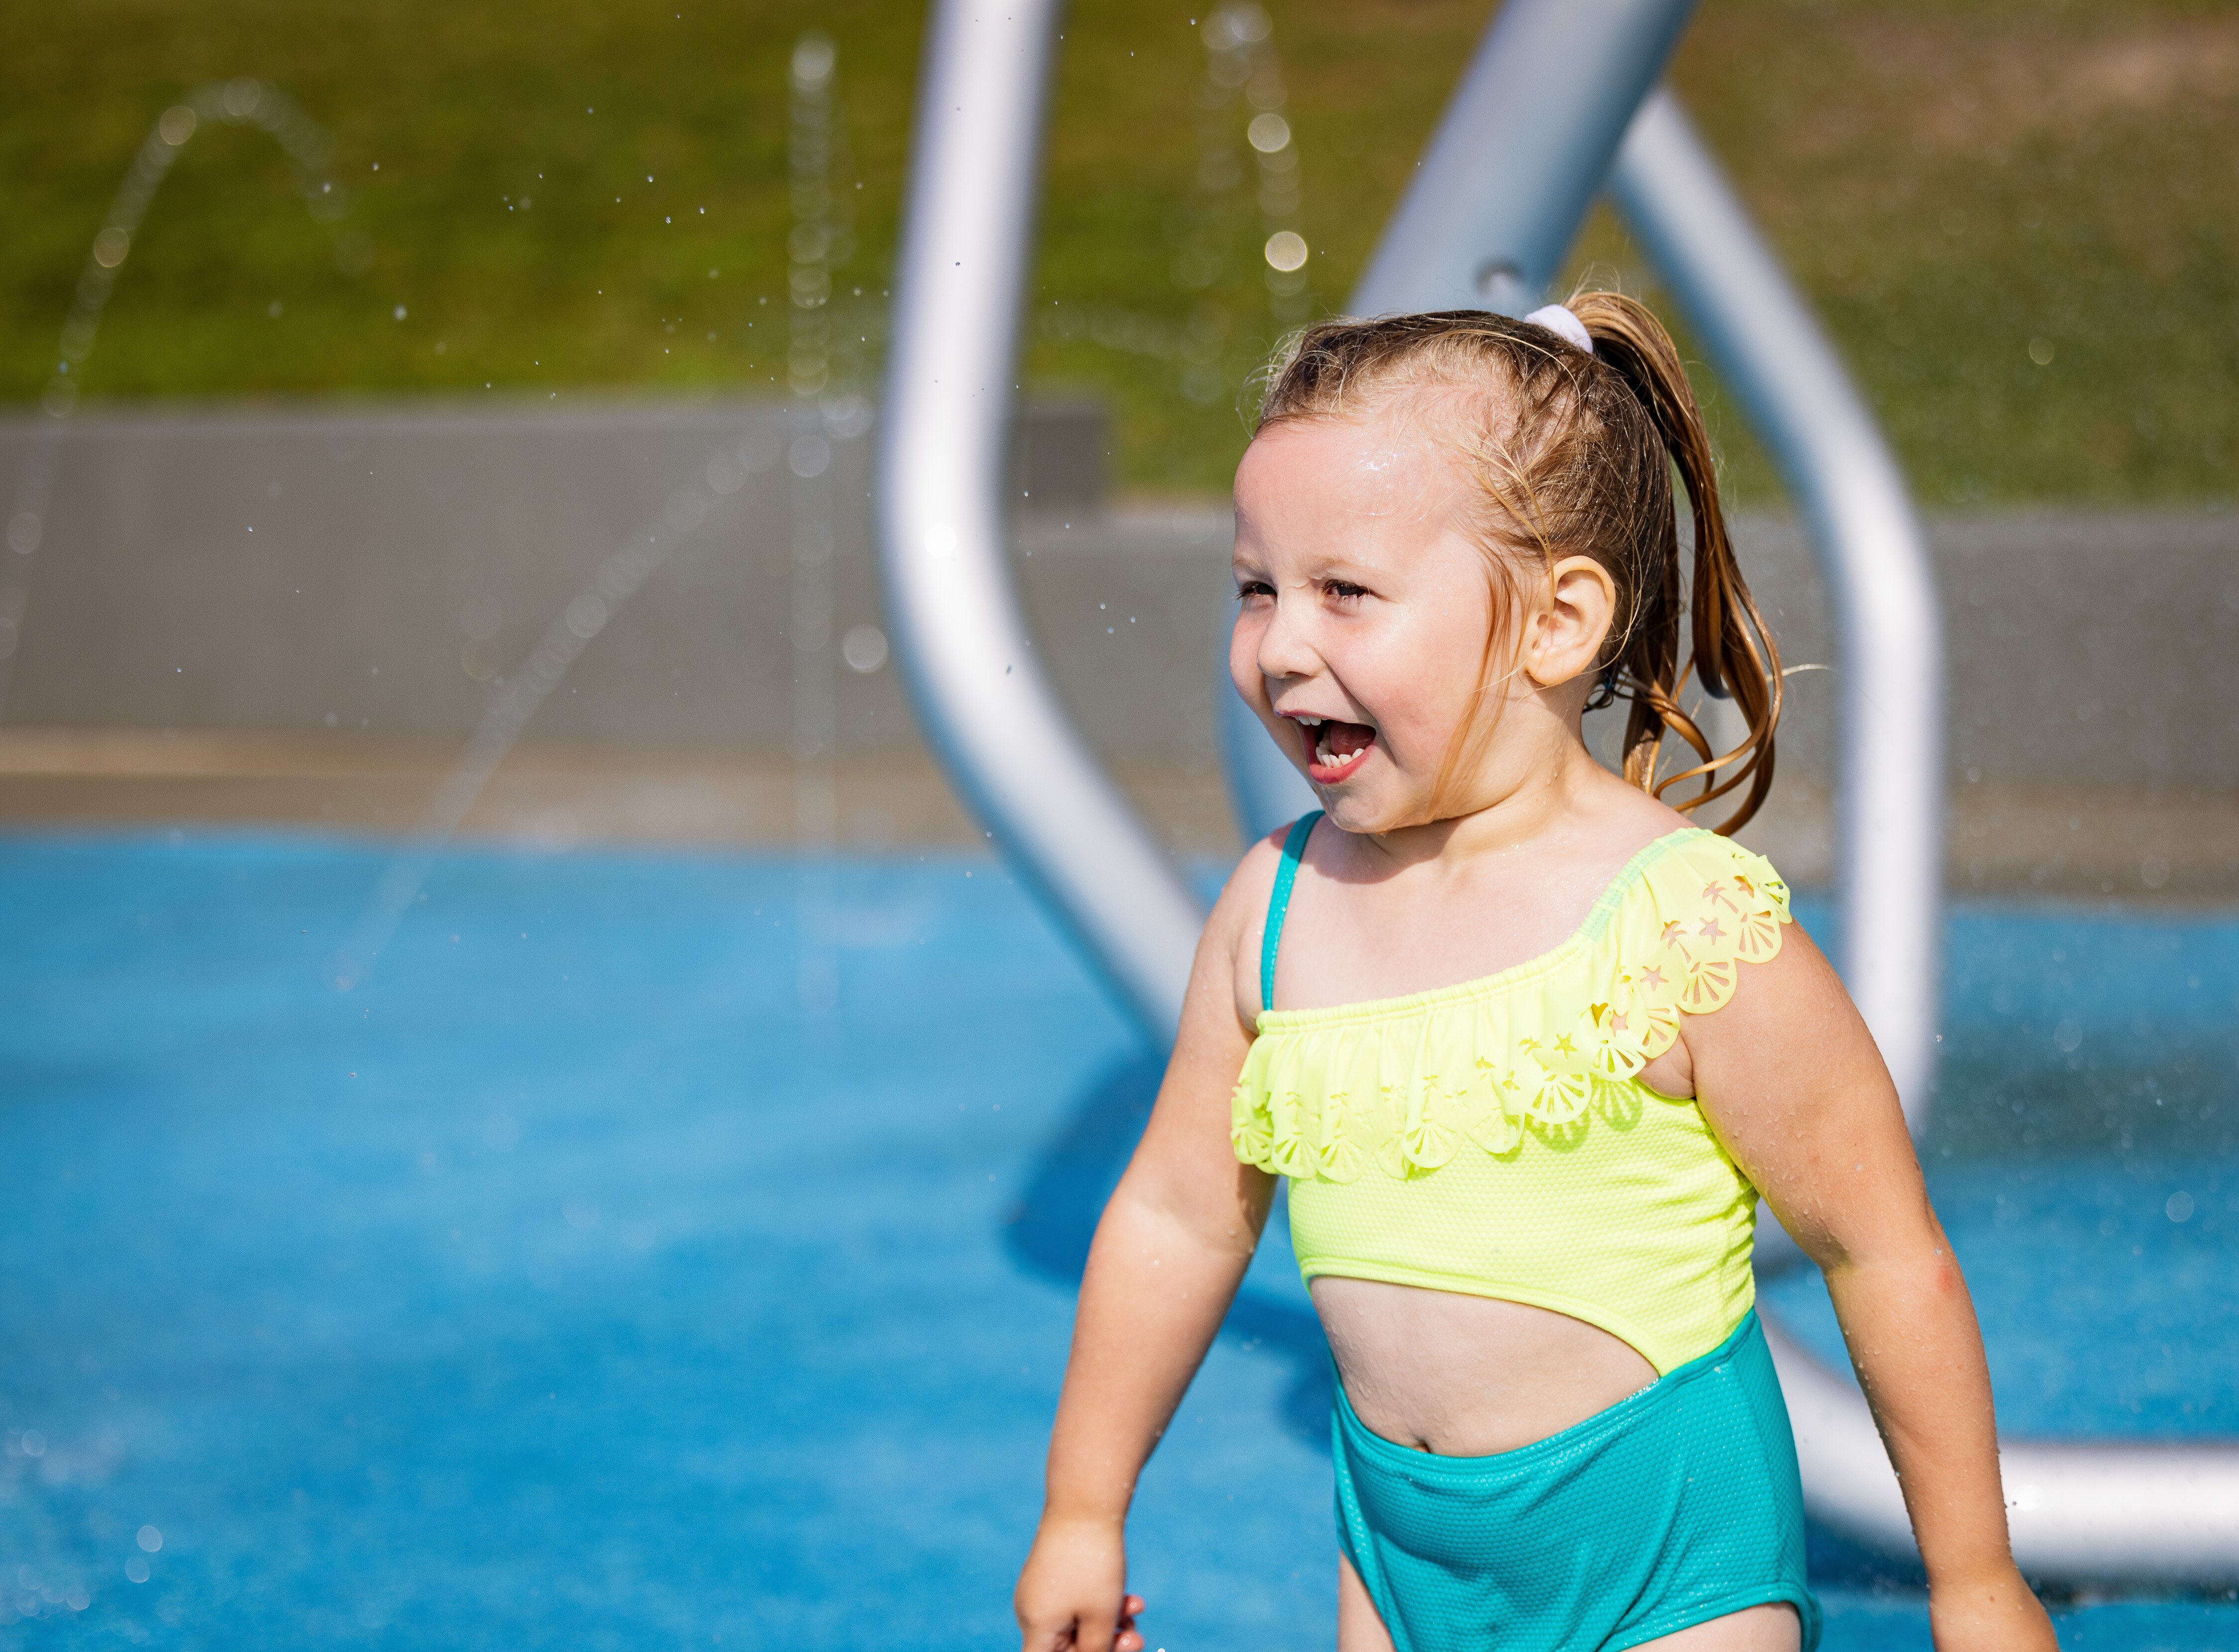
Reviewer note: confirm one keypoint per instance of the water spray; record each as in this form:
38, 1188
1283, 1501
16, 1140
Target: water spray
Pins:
242, 102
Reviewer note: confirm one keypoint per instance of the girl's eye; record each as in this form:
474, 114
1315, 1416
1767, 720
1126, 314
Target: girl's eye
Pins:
1345, 590
1249, 588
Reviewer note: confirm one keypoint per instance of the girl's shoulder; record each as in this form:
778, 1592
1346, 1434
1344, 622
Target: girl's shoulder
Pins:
1252, 883
1239, 917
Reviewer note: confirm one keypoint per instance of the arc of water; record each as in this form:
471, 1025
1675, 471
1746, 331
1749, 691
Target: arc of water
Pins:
615, 581
817, 227
234, 103
1241, 68
817, 245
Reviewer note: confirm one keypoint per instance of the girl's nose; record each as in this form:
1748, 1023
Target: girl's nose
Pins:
1285, 650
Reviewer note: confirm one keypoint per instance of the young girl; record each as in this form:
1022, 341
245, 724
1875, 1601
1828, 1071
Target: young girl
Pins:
1527, 1046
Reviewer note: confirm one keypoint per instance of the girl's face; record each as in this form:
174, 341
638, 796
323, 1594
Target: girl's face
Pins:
1363, 613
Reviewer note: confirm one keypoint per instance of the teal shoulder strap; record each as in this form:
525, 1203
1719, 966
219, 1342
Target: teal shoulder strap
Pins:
1279, 902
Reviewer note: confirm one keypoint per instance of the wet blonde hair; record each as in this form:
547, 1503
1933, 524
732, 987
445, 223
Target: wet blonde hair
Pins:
1572, 454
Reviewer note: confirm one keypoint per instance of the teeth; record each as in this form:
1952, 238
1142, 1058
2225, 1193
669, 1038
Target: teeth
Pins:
1312, 722
1327, 760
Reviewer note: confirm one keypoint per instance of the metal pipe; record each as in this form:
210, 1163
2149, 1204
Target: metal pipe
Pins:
986, 708
2122, 1513
1768, 347
1498, 195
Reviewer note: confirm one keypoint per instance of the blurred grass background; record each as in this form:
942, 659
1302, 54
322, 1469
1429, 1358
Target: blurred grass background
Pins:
2021, 221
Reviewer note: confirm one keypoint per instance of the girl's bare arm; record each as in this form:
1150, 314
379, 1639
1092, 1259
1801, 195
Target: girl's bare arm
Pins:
1168, 1255
1788, 1076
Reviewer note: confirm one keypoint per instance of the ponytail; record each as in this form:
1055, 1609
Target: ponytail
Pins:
1731, 653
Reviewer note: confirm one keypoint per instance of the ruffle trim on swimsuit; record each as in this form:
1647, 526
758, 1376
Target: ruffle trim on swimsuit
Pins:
1404, 1084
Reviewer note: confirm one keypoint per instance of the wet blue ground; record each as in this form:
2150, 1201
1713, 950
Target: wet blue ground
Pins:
565, 1285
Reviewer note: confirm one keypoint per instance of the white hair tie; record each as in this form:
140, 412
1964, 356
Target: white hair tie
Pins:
1558, 320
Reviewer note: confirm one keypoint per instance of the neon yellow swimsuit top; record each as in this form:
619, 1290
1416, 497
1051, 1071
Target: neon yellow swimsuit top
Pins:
1495, 1139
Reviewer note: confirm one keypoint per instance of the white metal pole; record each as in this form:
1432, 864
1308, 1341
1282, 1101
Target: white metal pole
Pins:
985, 706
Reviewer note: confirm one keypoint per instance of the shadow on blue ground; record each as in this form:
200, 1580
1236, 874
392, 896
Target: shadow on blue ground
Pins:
1056, 1217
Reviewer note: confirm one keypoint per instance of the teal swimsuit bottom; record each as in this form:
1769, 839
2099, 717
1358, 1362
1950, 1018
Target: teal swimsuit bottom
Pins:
1677, 1505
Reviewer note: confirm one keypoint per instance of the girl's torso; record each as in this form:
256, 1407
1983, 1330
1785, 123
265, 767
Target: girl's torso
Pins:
1477, 1368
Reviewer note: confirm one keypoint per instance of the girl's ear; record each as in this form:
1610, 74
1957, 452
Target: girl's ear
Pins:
1577, 601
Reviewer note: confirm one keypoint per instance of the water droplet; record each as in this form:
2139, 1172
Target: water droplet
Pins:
150, 1539
808, 456
587, 614
2040, 351
846, 416
1269, 133
1286, 250
2179, 1208
864, 649
110, 246
398, 312
1236, 25
808, 244
178, 125
34, 1444
813, 58
136, 1569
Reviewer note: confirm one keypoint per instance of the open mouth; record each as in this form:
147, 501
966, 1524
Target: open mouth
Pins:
1333, 749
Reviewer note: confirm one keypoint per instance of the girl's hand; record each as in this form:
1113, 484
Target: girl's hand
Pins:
1073, 1595
1998, 1613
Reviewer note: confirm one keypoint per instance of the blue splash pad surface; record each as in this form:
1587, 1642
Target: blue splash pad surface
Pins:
565, 1285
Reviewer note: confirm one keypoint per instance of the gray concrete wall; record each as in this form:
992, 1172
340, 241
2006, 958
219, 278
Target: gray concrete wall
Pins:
307, 568
2087, 647
374, 569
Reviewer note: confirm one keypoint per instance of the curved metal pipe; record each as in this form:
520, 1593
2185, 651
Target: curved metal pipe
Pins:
986, 708
1767, 346
2114, 1513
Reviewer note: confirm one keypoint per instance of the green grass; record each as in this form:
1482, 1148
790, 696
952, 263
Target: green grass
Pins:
1949, 182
